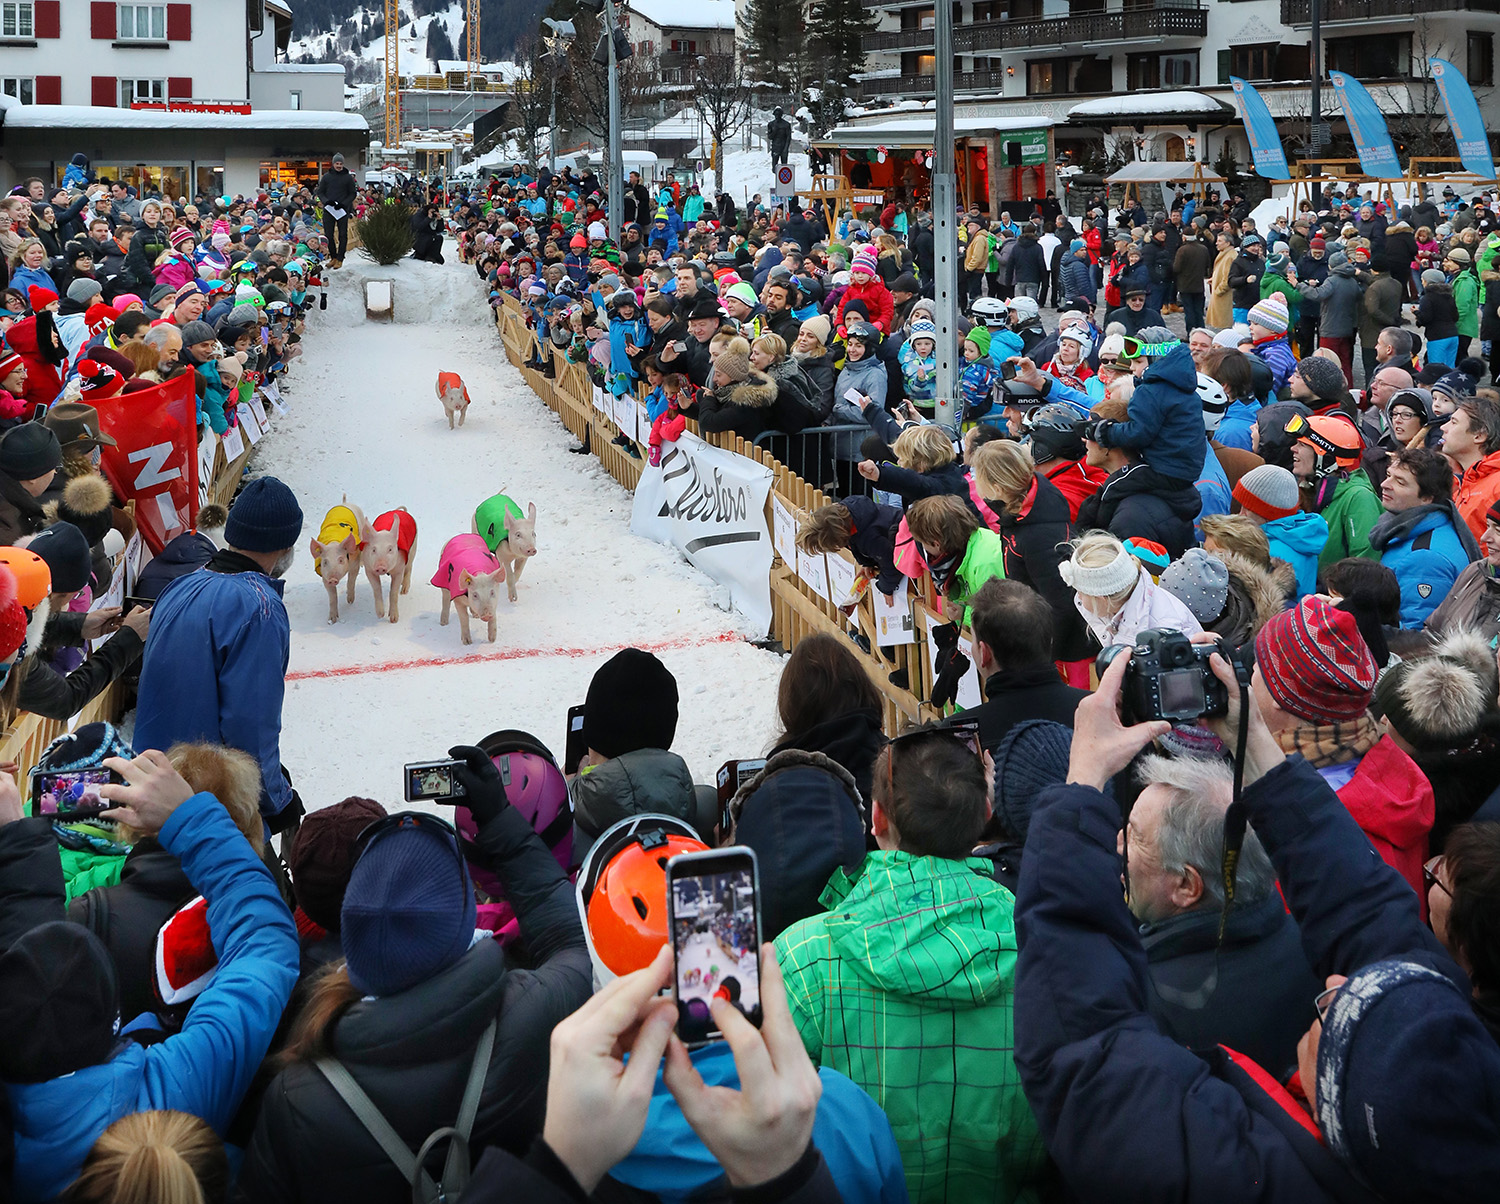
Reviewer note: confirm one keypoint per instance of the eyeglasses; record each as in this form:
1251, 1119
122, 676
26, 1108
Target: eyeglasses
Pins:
1429, 875
1324, 1001
966, 732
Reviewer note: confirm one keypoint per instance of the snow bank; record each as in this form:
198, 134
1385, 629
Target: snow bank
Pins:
364, 697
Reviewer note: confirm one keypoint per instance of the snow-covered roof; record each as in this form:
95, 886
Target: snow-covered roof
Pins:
1162, 173
1144, 104
919, 131
300, 69
686, 14
103, 118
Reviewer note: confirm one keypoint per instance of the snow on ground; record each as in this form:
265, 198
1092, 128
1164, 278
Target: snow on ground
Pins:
747, 172
363, 697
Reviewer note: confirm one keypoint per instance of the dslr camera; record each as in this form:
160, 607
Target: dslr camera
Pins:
1168, 678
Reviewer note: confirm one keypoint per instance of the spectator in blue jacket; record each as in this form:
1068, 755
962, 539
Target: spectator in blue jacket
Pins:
1165, 423
1268, 496
215, 662
67, 1075
1421, 537
1399, 1074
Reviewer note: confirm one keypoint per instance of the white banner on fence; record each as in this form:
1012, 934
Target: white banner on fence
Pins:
710, 504
843, 580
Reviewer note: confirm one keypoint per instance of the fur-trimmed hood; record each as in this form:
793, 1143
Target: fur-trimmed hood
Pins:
756, 392
1472, 650
1266, 594
794, 758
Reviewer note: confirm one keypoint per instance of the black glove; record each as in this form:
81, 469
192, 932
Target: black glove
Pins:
1094, 429
948, 664
484, 792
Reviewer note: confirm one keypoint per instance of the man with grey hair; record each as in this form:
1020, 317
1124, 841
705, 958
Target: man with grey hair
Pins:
166, 340
1253, 991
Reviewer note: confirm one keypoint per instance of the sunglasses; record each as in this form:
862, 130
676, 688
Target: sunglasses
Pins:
1429, 875
965, 731
1324, 1001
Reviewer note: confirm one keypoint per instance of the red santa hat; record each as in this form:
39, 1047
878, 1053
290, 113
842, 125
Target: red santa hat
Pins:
39, 298
185, 959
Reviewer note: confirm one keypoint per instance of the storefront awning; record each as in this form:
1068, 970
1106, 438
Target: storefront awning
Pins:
1164, 173
270, 121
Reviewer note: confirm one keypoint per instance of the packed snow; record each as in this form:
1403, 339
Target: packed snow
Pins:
365, 696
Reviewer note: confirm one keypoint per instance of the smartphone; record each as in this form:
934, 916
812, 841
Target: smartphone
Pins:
713, 907
431, 781
733, 775
853, 395
1007, 371
679, 346
70, 793
576, 748
130, 602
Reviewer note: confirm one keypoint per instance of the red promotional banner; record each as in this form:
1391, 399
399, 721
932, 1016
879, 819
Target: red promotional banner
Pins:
156, 462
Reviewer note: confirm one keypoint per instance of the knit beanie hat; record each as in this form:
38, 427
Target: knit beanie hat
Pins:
1404, 1065
197, 332
243, 315
1152, 555
67, 554
1458, 255
39, 298
9, 362
179, 236
819, 327
631, 704
409, 910
1315, 663
1433, 276
323, 857
733, 365
29, 451
85, 747
743, 293
58, 986
1267, 490
97, 381
865, 260
1270, 312
1032, 757
1104, 581
1455, 384
1278, 263
264, 518
1322, 376
83, 290
981, 338
923, 329
1200, 582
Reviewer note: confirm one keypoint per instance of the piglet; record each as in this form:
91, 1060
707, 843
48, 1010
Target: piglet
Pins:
390, 546
454, 396
508, 535
335, 553
470, 578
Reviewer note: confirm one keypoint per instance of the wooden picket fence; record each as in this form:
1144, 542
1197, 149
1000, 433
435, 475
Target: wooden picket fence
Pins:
797, 610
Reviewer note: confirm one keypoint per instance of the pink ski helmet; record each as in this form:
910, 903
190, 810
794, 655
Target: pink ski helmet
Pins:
536, 788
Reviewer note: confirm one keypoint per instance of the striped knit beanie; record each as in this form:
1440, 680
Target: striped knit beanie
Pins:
1315, 663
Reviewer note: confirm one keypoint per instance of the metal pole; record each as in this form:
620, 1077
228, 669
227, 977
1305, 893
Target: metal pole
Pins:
944, 225
1315, 114
616, 150
552, 122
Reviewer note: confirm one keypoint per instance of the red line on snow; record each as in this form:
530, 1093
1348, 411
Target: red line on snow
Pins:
510, 654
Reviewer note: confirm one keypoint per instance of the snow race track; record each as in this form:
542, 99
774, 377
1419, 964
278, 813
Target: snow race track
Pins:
365, 696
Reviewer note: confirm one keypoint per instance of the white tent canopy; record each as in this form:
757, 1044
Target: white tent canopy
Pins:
1164, 173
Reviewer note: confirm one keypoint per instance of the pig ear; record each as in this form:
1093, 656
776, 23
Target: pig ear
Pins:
465, 579
499, 574
350, 543
316, 549
366, 532
531, 511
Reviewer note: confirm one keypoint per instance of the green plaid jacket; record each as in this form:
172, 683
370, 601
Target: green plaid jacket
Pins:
906, 984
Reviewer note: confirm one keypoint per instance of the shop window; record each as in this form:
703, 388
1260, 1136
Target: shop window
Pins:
1386, 57
142, 23
1179, 70
17, 20
1061, 77
210, 180
1142, 72
22, 87
1481, 59
146, 91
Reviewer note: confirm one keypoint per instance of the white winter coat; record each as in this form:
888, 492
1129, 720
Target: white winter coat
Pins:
1148, 606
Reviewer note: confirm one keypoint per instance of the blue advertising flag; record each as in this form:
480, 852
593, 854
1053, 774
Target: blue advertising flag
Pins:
1260, 129
1372, 141
1463, 118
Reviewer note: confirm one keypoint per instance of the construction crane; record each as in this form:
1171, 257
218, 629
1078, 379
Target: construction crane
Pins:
392, 76
475, 58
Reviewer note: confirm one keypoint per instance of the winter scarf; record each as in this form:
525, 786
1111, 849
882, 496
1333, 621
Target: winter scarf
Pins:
1330, 744
1396, 527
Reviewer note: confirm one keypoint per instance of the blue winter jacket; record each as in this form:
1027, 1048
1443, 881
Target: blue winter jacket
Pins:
1277, 355
1004, 344
1165, 426
1234, 427
1213, 487
205, 1069
850, 1131
1128, 1113
214, 670
1298, 539
1426, 564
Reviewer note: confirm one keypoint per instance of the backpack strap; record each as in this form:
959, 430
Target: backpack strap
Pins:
456, 1168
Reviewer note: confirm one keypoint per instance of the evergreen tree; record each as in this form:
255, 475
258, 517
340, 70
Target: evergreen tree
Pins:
439, 46
835, 36
775, 46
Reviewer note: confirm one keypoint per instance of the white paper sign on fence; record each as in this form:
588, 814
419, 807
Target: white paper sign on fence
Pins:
249, 425
711, 505
843, 578
813, 572
234, 444
258, 410
893, 623
208, 446
598, 399
784, 532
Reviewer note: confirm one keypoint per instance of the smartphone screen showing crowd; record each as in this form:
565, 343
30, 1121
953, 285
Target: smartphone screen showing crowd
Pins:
713, 903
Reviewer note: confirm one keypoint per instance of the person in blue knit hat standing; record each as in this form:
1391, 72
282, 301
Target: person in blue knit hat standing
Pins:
216, 657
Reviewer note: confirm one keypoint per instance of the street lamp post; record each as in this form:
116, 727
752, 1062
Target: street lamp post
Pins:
562, 33
944, 224
616, 139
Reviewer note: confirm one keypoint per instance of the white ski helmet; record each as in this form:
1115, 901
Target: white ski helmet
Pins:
1025, 308
1079, 335
1215, 401
990, 311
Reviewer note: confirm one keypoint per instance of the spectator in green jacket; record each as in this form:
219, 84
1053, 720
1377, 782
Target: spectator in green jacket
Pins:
1326, 463
907, 984
1458, 264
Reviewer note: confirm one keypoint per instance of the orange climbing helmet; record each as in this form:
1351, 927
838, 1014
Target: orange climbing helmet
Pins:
622, 891
33, 577
1329, 436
